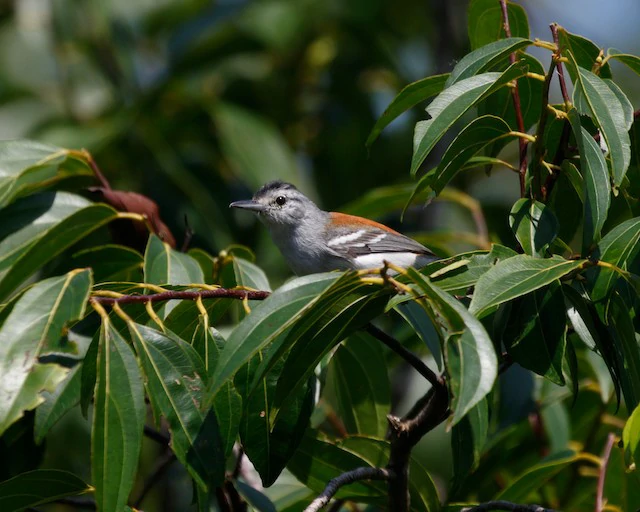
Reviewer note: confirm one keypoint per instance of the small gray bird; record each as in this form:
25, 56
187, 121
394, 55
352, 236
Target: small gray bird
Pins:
312, 240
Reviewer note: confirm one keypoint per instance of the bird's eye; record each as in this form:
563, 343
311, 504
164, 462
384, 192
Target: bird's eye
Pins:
280, 200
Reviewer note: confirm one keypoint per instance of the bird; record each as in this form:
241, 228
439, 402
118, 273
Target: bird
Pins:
313, 240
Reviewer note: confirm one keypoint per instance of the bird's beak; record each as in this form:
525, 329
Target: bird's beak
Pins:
249, 204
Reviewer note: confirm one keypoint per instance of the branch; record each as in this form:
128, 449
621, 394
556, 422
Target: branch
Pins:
505, 505
233, 293
515, 95
407, 355
156, 436
563, 84
611, 438
346, 478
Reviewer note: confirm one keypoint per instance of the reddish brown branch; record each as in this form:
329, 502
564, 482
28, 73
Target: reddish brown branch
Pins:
219, 293
557, 56
611, 438
515, 95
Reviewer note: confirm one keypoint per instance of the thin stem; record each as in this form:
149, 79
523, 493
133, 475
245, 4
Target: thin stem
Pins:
226, 293
349, 477
407, 355
156, 436
515, 95
558, 59
505, 505
611, 438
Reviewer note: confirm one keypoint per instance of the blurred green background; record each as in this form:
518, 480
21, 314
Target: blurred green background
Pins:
197, 103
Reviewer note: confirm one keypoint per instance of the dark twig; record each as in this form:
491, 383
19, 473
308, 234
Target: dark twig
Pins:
155, 477
226, 293
86, 503
346, 478
563, 83
515, 95
407, 355
156, 436
505, 505
611, 438
188, 235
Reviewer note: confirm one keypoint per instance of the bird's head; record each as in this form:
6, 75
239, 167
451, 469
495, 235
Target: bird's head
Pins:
278, 203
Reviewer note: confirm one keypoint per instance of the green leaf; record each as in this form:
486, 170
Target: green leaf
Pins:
270, 443
358, 387
471, 360
632, 61
483, 58
53, 242
485, 23
534, 225
111, 263
597, 189
336, 313
532, 479
164, 265
424, 327
631, 437
468, 438
535, 333
26, 220
619, 247
471, 139
255, 498
253, 147
65, 396
118, 419
595, 98
318, 460
584, 51
517, 276
555, 419
175, 386
267, 322
38, 487
26, 166
408, 97
451, 104
566, 201
35, 328
460, 275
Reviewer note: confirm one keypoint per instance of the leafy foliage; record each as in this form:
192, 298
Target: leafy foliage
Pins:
533, 327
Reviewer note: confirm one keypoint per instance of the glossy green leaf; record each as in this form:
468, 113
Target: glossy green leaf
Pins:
38, 487
627, 107
34, 328
318, 460
271, 442
472, 364
619, 247
27, 166
632, 61
358, 387
581, 317
65, 396
595, 98
53, 242
534, 477
345, 307
471, 139
483, 58
253, 148
460, 275
566, 201
535, 333
424, 327
175, 385
485, 23
164, 265
408, 97
118, 419
584, 51
26, 220
517, 276
255, 498
556, 421
597, 189
267, 322
451, 104
468, 438
534, 225
111, 263
631, 437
